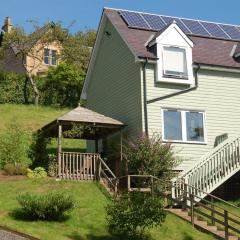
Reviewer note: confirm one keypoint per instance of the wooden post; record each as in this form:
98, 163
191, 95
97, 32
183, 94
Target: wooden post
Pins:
184, 205
128, 183
226, 224
192, 209
212, 211
121, 146
59, 150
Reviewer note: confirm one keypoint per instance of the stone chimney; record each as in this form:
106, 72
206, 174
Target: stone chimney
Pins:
7, 27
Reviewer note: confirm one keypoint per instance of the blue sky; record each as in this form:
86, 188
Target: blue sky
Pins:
86, 13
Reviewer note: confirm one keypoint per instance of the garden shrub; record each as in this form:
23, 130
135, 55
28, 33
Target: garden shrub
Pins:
14, 88
150, 156
38, 172
15, 146
133, 213
52, 206
52, 165
11, 169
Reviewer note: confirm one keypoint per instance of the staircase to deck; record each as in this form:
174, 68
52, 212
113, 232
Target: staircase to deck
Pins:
210, 171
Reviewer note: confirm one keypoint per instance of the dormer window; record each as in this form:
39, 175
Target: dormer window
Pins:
174, 52
174, 62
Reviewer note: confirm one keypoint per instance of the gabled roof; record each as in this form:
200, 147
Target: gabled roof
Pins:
206, 50
102, 124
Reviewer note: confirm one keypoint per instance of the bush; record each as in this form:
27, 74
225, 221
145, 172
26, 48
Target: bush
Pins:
38, 172
11, 169
133, 213
52, 165
150, 156
15, 146
14, 88
52, 206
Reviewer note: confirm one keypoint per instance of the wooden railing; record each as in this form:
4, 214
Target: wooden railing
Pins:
212, 209
107, 176
78, 166
211, 171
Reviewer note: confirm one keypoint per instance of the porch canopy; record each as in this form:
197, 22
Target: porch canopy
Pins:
95, 125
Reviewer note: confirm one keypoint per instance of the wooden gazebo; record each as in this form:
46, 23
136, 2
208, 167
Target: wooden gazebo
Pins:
94, 126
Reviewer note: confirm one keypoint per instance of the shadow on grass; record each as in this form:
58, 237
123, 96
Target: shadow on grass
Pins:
19, 214
187, 237
77, 236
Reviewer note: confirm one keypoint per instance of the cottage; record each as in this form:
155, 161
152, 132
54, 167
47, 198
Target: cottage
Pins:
175, 77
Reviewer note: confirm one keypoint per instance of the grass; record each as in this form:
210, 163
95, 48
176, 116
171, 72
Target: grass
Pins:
86, 221
32, 118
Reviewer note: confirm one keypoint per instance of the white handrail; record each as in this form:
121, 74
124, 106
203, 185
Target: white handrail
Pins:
212, 170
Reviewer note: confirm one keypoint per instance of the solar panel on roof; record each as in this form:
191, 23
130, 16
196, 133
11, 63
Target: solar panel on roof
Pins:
195, 27
134, 19
215, 30
155, 22
232, 31
170, 20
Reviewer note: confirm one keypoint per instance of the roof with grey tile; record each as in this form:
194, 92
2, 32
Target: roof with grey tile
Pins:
206, 50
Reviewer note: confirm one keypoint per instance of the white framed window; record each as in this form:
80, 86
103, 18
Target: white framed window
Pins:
183, 126
50, 56
174, 62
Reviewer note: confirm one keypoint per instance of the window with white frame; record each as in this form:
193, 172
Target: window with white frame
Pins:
183, 126
174, 62
50, 57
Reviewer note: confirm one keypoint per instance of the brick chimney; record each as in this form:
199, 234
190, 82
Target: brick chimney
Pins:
7, 27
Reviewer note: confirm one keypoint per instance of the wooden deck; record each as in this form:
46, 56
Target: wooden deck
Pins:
78, 166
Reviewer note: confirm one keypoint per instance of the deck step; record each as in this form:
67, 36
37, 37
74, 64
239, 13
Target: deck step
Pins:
201, 224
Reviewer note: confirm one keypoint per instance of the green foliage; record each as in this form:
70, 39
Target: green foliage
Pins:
77, 49
15, 146
62, 86
14, 88
133, 213
52, 165
38, 172
38, 152
51, 206
150, 156
11, 169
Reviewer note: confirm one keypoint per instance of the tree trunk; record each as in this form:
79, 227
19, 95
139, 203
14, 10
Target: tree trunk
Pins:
35, 89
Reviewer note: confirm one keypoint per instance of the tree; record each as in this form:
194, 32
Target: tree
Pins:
76, 48
63, 85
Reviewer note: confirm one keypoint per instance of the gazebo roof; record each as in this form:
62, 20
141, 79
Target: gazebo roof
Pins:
85, 115
102, 124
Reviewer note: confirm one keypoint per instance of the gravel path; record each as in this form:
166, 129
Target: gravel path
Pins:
5, 235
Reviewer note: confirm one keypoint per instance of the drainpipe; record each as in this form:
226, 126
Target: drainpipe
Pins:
181, 91
145, 96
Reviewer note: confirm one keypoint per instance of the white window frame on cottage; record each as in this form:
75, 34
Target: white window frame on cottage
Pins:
50, 57
174, 62
183, 119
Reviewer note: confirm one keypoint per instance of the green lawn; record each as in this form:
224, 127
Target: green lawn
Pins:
87, 221
32, 118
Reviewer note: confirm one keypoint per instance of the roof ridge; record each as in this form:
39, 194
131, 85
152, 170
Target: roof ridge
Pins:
155, 14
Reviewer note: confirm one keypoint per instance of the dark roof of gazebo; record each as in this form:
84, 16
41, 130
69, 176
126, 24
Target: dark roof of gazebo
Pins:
102, 124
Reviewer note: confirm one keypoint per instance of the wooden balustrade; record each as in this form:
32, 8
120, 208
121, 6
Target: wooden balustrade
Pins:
78, 166
211, 172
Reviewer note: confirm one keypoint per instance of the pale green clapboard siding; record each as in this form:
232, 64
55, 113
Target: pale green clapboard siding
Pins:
115, 84
218, 95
